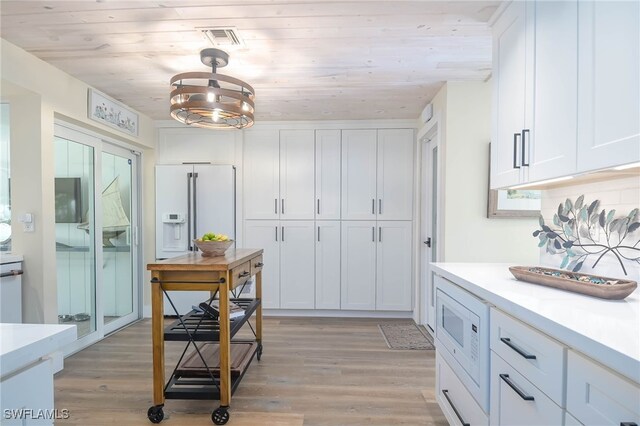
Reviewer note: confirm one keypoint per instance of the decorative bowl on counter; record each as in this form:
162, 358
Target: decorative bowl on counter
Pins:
591, 285
213, 248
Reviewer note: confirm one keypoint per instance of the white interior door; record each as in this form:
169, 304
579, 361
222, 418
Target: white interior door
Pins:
297, 174
328, 153
359, 174
395, 174
297, 264
261, 174
327, 264
358, 265
429, 208
393, 266
265, 234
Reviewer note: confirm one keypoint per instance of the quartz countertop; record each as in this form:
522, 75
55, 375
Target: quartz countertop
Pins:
23, 344
605, 330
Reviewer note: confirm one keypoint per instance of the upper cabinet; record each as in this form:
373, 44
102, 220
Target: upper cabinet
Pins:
377, 174
328, 151
261, 174
608, 84
565, 91
297, 175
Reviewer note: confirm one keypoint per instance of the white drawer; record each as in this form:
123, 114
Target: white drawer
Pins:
599, 396
457, 404
516, 401
534, 355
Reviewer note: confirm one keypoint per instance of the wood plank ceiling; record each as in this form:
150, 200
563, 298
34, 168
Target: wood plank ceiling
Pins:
307, 60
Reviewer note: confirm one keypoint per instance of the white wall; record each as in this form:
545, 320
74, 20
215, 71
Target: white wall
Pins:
38, 93
464, 109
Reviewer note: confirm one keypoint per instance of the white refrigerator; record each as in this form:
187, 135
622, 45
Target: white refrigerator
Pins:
192, 199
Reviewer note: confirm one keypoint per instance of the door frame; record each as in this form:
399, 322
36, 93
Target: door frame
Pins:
98, 141
430, 138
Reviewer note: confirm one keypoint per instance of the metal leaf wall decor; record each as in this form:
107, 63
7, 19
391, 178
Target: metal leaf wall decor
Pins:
575, 229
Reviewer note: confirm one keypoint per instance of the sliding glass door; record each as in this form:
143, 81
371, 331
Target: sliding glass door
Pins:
96, 199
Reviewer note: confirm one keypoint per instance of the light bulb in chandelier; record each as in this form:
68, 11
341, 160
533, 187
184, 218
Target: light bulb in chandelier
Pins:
212, 100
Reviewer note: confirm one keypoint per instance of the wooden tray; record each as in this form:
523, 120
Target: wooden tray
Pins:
241, 354
617, 291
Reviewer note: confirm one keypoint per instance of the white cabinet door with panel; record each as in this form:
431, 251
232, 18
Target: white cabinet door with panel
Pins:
551, 140
328, 153
510, 77
608, 84
358, 277
359, 174
327, 265
297, 263
395, 174
261, 174
265, 234
297, 174
393, 266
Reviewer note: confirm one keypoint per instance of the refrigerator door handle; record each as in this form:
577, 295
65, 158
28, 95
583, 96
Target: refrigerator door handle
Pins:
195, 210
189, 211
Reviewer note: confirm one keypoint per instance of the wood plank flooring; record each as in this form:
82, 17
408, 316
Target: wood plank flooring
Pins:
314, 371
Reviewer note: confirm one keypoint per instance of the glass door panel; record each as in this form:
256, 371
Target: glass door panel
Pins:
75, 234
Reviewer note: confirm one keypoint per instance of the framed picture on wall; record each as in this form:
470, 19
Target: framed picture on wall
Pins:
512, 203
105, 110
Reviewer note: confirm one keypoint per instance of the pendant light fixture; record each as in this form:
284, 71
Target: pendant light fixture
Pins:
212, 100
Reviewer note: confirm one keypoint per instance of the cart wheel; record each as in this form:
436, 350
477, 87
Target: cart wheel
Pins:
155, 414
259, 355
220, 416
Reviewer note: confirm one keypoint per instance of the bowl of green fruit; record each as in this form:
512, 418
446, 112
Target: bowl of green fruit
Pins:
211, 244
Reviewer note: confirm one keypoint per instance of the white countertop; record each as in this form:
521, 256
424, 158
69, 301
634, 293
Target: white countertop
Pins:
10, 258
23, 344
605, 330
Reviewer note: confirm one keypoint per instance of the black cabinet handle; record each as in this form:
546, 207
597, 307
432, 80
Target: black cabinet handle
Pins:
11, 273
373, 206
282, 206
373, 234
379, 205
259, 265
244, 274
628, 424
508, 381
318, 208
275, 205
318, 234
507, 341
282, 234
445, 392
380, 233
515, 150
276, 233
524, 133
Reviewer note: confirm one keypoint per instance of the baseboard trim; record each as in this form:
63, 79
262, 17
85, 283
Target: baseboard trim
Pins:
334, 313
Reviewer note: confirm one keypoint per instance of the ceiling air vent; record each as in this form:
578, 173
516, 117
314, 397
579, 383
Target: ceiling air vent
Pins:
222, 36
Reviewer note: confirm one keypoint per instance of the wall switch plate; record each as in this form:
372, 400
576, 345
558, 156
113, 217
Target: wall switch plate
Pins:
28, 224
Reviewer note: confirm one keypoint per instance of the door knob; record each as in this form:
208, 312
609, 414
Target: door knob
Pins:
428, 242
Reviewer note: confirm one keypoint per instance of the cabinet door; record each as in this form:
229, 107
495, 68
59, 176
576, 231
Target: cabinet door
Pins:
393, 269
359, 174
297, 263
510, 75
358, 265
297, 174
328, 265
328, 147
395, 174
265, 234
608, 84
551, 141
261, 174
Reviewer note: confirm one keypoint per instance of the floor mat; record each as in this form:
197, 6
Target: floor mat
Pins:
406, 336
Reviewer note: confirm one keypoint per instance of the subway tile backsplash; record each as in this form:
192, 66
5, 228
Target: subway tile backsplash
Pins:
621, 194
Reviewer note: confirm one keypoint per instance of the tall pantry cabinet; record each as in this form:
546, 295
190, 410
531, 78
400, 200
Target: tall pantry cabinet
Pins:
333, 211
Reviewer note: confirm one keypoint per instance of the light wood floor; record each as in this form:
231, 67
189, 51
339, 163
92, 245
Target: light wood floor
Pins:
314, 371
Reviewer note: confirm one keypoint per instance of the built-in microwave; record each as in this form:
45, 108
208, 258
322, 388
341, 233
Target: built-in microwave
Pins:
462, 330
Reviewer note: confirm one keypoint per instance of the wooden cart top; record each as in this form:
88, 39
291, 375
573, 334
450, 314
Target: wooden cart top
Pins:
195, 261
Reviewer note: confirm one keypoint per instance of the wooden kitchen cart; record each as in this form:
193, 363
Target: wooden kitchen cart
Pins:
194, 377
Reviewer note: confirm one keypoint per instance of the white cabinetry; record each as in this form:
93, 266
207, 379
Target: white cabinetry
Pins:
393, 266
328, 265
261, 174
608, 84
376, 265
297, 175
297, 260
264, 234
565, 92
377, 174
328, 152
598, 396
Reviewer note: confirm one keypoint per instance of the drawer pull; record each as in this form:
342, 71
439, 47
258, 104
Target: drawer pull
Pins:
244, 274
508, 381
628, 424
507, 342
445, 392
259, 265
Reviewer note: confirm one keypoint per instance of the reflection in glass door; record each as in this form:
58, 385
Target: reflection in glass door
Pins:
75, 234
119, 282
